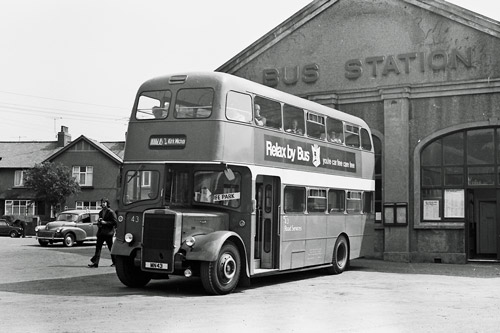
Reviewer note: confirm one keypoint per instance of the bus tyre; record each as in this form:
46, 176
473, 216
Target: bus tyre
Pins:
340, 259
221, 276
129, 274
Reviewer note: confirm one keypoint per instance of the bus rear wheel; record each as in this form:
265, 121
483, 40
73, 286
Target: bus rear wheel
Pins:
129, 274
340, 259
221, 276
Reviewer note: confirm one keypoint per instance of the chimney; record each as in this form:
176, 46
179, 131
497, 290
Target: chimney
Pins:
63, 137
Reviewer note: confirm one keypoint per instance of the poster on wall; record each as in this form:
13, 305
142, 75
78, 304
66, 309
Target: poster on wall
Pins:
431, 210
454, 202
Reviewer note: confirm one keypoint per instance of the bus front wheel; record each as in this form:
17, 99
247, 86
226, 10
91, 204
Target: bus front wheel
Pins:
129, 274
340, 259
221, 276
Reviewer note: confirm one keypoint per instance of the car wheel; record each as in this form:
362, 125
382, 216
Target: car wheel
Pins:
129, 274
221, 276
43, 242
13, 234
69, 240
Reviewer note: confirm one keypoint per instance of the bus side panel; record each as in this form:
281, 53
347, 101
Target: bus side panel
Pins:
358, 230
335, 226
316, 228
293, 244
238, 142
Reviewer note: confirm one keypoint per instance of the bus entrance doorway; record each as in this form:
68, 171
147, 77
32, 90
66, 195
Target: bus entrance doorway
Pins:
483, 224
266, 236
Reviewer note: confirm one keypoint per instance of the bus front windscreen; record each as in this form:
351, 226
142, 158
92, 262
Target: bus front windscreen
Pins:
140, 185
215, 187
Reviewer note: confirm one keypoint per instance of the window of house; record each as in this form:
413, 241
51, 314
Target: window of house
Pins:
20, 207
87, 205
19, 178
83, 175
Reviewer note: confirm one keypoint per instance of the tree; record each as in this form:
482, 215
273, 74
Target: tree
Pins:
52, 182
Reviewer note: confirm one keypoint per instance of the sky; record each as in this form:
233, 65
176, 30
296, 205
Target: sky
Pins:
79, 63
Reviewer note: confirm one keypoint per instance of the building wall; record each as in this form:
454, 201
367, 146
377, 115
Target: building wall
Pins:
412, 70
105, 175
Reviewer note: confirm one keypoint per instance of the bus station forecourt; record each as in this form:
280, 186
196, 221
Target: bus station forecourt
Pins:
50, 289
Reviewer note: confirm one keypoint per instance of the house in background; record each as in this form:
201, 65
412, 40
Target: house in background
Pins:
95, 165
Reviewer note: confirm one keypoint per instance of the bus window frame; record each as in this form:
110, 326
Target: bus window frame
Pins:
238, 115
163, 105
265, 113
294, 115
176, 106
325, 198
304, 200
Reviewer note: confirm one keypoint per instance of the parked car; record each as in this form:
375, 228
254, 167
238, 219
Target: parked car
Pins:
70, 227
7, 229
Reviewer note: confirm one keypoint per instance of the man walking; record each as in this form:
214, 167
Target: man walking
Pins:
105, 232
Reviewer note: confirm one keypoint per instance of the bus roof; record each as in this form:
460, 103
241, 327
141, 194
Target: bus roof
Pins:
231, 82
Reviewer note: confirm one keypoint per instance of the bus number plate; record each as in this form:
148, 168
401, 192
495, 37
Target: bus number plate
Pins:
156, 265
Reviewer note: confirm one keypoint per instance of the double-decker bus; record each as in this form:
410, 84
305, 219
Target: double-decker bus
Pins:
227, 179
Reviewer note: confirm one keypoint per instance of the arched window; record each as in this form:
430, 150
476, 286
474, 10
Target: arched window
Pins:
452, 163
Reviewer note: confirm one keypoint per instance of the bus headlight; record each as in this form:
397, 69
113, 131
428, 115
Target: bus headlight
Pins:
190, 241
129, 238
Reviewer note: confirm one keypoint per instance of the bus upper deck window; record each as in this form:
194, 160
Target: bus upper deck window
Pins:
315, 126
352, 135
334, 130
239, 107
194, 103
153, 105
270, 112
366, 142
294, 119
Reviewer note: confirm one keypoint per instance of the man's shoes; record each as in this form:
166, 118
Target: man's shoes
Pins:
93, 265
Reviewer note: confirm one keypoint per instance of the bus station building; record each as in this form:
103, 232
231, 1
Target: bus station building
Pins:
425, 76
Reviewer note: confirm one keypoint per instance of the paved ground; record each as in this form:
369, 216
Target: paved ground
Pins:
52, 290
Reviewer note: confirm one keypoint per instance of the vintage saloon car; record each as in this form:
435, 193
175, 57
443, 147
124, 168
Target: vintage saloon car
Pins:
70, 227
7, 229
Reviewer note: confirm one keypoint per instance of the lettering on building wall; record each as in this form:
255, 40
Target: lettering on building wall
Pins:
290, 75
406, 63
